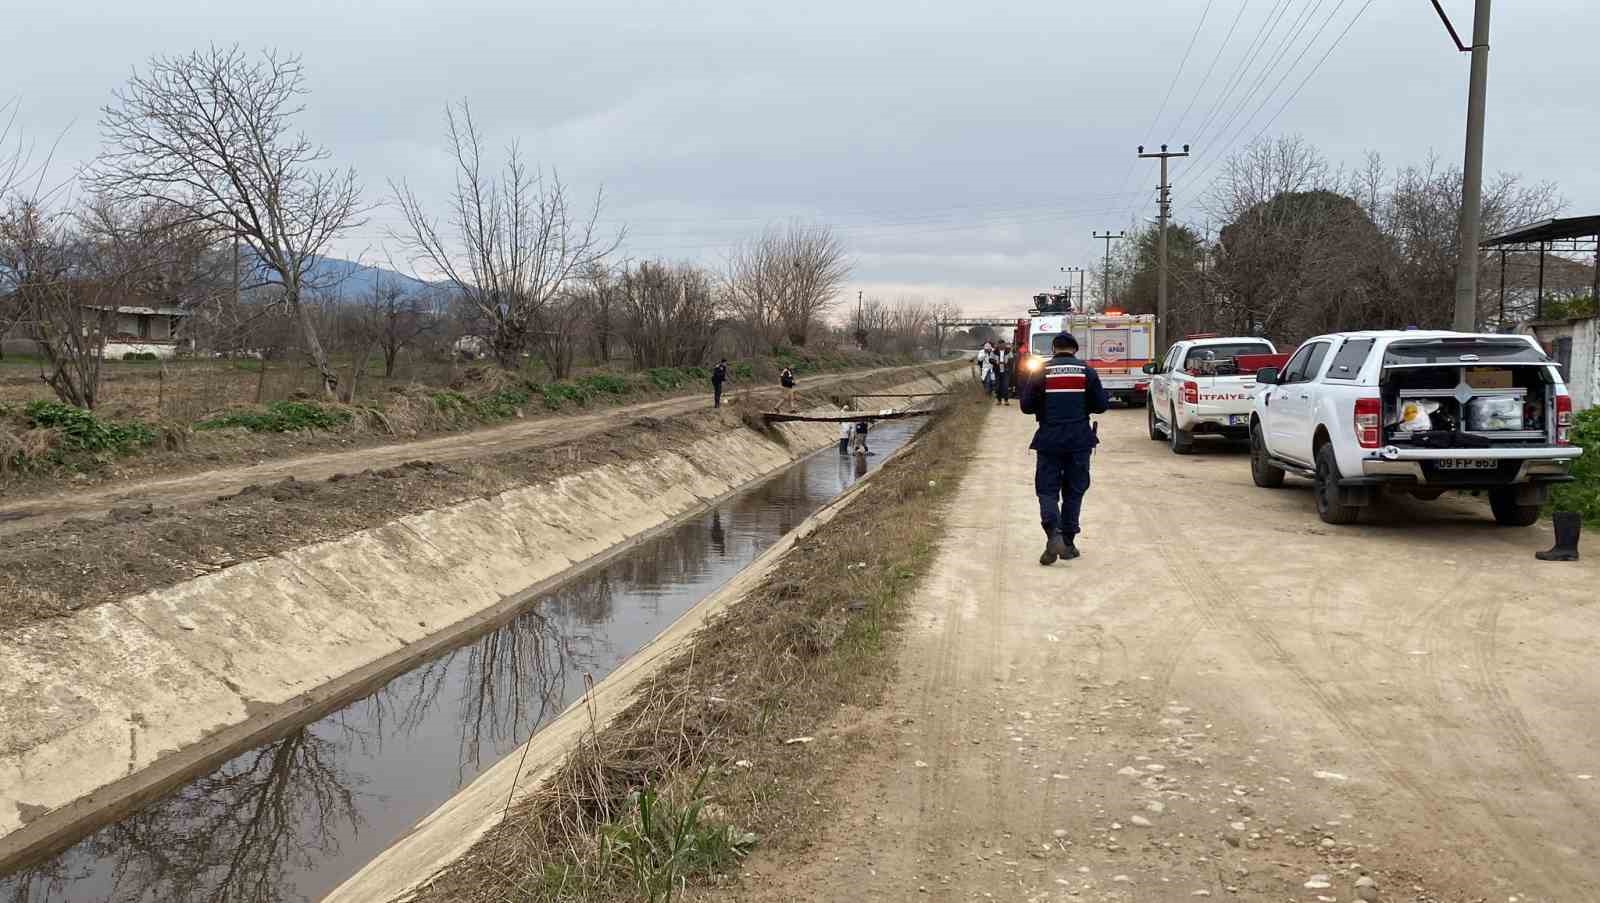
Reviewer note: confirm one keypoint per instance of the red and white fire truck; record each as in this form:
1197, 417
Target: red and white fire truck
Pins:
1115, 344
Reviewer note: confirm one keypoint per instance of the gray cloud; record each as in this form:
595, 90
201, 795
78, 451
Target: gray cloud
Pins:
963, 151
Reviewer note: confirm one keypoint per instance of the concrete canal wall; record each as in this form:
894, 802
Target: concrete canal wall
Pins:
109, 708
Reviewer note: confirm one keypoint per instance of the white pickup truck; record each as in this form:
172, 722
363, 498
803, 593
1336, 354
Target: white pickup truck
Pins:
1415, 412
1203, 386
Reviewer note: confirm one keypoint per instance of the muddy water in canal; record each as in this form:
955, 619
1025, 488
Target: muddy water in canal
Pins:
291, 819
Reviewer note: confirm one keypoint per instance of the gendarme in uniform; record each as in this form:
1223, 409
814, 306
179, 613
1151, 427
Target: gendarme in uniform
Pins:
1061, 395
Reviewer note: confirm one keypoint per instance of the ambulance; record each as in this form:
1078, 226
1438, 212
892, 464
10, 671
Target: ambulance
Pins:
1117, 345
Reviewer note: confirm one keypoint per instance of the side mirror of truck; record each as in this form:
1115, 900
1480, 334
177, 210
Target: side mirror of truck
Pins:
1267, 376
1149, 368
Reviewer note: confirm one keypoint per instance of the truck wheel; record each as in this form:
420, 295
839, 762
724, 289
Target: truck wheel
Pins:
1262, 470
1150, 420
1182, 441
1507, 513
1329, 506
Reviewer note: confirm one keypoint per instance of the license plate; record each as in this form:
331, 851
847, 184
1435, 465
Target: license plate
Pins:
1466, 463
1238, 419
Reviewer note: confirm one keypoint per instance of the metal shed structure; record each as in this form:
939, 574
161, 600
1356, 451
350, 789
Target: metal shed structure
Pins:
1565, 235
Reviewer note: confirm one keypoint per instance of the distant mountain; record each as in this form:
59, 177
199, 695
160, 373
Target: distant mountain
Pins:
352, 280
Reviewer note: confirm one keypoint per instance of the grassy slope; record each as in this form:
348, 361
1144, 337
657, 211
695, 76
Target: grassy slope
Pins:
673, 790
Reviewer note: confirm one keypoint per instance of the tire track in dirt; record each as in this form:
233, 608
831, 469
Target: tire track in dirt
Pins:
1532, 852
1440, 627
1216, 599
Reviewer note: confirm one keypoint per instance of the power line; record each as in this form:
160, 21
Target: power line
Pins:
1150, 130
1303, 82
1209, 69
1295, 30
1181, 63
1268, 25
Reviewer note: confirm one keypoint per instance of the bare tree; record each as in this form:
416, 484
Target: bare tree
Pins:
754, 285
511, 244
41, 258
399, 316
909, 319
869, 324
210, 133
941, 322
668, 314
784, 281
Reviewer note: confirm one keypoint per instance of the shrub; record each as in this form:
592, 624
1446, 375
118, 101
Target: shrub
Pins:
451, 404
603, 384
1570, 308
81, 430
140, 356
665, 377
744, 371
280, 417
557, 394
501, 403
1583, 495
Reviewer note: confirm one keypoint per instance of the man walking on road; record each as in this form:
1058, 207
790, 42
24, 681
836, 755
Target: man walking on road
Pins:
719, 375
1061, 395
786, 379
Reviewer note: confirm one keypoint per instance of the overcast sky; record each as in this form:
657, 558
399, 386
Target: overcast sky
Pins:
961, 150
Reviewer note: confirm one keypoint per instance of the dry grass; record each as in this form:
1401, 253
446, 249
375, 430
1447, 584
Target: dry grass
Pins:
19, 448
814, 636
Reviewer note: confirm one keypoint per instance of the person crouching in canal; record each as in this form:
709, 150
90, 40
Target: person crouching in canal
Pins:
1061, 395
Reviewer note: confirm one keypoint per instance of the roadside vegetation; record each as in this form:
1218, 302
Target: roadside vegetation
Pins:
42, 438
1583, 495
716, 755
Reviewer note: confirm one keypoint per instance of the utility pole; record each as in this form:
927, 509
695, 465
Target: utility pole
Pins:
1105, 272
1164, 194
1466, 308
1083, 299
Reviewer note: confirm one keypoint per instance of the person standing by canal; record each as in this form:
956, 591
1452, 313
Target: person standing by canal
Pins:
1061, 395
786, 379
1001, 361
719, 375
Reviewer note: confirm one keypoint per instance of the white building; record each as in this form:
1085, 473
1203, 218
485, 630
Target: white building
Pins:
1575, 344
144, 330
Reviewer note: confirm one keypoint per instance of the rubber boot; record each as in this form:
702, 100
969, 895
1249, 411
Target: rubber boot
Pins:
1568, 526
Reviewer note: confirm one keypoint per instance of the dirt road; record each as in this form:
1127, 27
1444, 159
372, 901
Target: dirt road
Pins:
1223, 697
197, 488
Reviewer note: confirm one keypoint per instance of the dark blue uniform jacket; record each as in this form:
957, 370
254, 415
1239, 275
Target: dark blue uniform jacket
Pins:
1061, 395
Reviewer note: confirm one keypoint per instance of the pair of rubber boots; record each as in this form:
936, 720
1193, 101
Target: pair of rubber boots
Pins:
1569, 525
1056, 546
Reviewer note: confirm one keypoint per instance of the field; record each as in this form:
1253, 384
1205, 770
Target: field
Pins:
189, 390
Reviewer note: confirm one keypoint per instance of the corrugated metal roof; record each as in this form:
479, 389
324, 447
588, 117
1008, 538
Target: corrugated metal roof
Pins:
1546, 230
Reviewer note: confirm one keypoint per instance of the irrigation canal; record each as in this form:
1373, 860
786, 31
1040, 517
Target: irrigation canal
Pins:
291, 819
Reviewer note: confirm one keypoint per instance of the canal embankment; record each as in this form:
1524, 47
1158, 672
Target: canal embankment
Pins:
121, 702
726, 723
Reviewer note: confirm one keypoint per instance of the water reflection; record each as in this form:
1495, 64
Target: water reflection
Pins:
291, 819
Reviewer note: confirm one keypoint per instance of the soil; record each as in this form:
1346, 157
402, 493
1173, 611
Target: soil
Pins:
1223, 697
68, 551
261, 459
189, 453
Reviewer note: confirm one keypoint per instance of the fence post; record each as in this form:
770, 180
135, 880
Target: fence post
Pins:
261, 378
